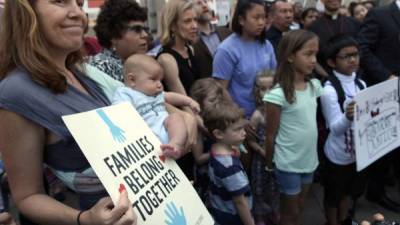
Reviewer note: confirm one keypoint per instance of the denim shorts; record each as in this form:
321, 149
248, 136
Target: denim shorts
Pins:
290, 183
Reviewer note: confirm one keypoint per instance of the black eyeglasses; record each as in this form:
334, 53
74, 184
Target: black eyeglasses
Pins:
138, 28
348, 57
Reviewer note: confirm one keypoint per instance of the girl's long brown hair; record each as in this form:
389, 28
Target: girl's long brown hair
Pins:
291, 43
22, 44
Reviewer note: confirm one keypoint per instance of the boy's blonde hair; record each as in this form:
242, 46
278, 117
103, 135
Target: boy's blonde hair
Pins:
222, 115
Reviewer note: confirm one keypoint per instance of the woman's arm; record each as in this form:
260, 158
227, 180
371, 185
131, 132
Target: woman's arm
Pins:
22, 143
171, 73
191, 125
273, 117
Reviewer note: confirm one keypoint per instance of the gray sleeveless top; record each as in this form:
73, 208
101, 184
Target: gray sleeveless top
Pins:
21, 95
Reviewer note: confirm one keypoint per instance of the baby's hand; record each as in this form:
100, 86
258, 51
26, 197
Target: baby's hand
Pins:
172, 151
194, 106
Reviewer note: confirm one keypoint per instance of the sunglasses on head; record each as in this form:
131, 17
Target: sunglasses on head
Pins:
138, 28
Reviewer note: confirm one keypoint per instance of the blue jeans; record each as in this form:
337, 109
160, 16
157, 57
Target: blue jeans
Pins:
290, 183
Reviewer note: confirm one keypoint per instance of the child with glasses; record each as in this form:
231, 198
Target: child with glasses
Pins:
342, 56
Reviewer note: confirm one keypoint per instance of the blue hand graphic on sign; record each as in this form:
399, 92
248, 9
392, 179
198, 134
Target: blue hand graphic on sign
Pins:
174, 217
117, 133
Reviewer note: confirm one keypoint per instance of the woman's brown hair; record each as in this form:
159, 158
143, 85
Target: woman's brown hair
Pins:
22, 44
291, 43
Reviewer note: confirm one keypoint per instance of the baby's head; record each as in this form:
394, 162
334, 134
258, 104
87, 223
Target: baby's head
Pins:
144, 74
262, 84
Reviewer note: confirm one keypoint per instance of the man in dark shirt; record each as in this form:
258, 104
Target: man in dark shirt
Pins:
331, 23
379, 40
210, 36
282, 18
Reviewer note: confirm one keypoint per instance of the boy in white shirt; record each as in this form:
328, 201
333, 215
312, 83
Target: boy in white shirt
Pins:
343, 57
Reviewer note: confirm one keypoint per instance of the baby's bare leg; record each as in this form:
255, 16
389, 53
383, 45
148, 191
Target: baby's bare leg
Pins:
176, 128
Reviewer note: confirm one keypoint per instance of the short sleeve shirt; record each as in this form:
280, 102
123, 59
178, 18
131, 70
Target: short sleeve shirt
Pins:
227, 179
296, 140
239, 61
151, 109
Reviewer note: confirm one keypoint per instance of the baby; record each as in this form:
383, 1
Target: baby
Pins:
143, 88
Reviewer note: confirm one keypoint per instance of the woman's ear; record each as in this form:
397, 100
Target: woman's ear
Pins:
173, 28
290, 58
241, 20
113, 44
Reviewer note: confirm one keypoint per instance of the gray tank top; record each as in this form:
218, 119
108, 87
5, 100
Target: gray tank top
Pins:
21, 95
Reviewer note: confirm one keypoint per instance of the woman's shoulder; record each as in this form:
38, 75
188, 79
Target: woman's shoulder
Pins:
16, 82
20, 93
166, 58
167, 54
230, 41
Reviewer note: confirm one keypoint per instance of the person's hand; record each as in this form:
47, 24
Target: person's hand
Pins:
350, 110
104, 212
392, 76
200, 124
7, 219
268, 162
194, 106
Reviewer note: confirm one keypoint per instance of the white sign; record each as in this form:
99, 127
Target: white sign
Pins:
223, 9
123, 151
377, 123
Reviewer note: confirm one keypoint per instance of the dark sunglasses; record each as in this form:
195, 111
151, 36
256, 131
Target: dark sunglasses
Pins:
138, 28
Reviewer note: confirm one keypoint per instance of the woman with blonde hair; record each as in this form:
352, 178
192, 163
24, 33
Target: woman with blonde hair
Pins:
178, 32
41, 81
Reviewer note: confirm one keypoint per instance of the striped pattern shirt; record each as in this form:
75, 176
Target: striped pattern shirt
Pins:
227, 180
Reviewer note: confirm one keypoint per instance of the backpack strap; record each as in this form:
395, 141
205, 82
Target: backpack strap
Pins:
339, 90
359, 84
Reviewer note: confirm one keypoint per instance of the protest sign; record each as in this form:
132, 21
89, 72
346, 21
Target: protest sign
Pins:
124, 152
376, 122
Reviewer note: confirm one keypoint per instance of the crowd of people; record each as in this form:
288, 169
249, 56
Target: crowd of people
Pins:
239, 107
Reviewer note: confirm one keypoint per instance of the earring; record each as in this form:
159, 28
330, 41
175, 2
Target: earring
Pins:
172, 40
113, 48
